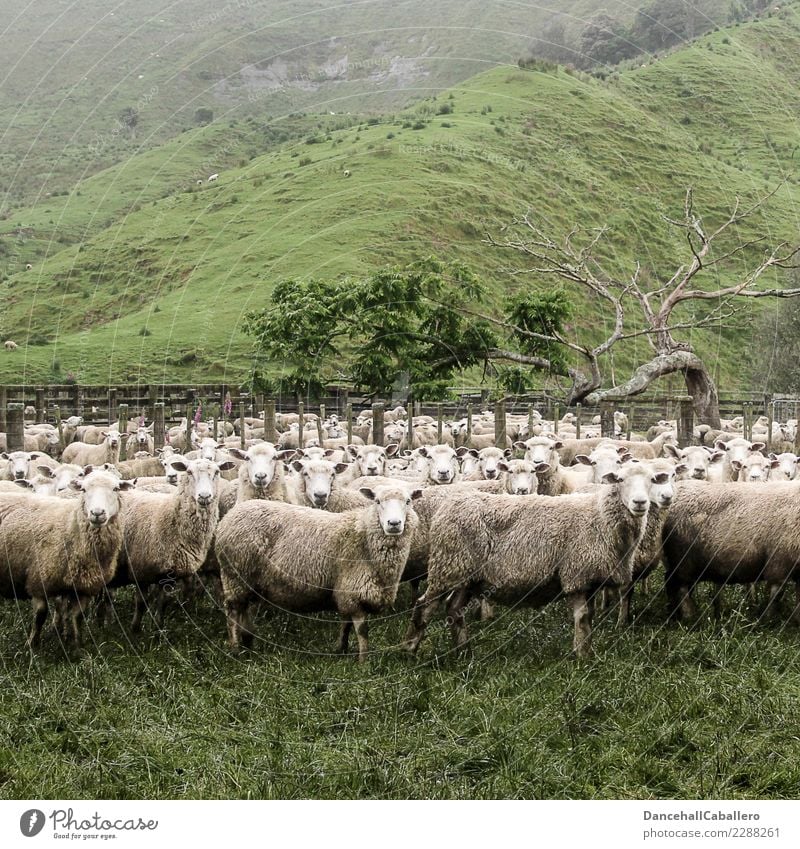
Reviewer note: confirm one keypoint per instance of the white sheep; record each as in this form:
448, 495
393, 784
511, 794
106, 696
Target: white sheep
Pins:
298, 558
85, 454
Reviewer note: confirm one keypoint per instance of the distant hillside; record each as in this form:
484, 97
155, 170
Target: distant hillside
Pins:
89, 84
159, 293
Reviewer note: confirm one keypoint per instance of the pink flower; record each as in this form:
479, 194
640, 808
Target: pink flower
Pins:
198, 414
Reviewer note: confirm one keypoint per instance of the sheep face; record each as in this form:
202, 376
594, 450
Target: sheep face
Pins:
261, 462
488, 462
521, 476
604, 460
753, 469
100, 494
470, 461
62, 477
694, 462
540, 449
738, 449
442, 463
634, 482
20, 464
203, 479
662, 479
787, 468
170, 472
370, 460
392, 504
316, 479
112, 437
142, 436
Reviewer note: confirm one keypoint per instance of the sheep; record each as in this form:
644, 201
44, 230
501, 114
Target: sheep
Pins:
696, 461
533, 549
302, 559
10, 344
140, 467
20, 464
787, 468
346, 172
489, 460
167, 535
62, 476
213, 178
735, 449
754, 469
313, 486
53, 548
728, 534
440, 463
140, 441
261, 473
84, 454
648, 552
604, 459
541, 451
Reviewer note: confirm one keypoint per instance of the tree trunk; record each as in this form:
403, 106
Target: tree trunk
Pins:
699, 384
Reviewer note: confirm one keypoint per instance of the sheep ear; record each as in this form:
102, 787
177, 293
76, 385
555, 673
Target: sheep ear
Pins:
508, 453
672, 449
625, 457
35, 454
392, 449
611, 477
286, 454
124, 486
681, 468
416, 493
297, 465
736, 465
352, 450
4, 455
460, 452
582, 458
238, 453
542, 468
87, 470
76, 484
367, 493
340, 467
226, 465
520, 446
661, 478
758, 446
774, 463
46, 471
716, 457
772, 455
721, 445
179, 465
329, 452
23, 484
558, 444
423, 451
502, 465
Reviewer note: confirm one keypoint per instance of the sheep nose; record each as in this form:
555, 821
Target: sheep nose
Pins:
394, 526
261, 477
19, 475
372, 470
522, 490
491, 474
97, 517
640, 504
699, 474
204, 499
320, 497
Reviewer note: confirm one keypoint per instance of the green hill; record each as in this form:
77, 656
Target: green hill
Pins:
159, 287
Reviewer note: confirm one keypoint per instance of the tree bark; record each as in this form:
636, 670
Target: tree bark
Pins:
699, 384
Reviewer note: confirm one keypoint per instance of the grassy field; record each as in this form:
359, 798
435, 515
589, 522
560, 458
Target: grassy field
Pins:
661, 712
157, 286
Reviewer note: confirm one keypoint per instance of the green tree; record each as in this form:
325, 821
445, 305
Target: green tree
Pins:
605, 41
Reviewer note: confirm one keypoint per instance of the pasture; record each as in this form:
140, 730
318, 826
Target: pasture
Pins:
660, 712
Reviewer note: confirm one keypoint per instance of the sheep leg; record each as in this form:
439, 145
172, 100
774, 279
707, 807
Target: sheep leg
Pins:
414, 584
344, 636
582, 616
645, 582
420, 617
455, 619
39, 606
362, 632
487, 610
773, 600
717, 603
239, 627
77, 613
139, 610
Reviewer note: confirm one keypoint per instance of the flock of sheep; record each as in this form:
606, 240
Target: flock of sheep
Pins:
321, 522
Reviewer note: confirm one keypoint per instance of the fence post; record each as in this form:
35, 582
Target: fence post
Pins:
500, 424
269, 421
3, 402
377, 422
607, 419
439, 423
578, 409
122, 427
320, 419
241, 424
40, 408
556, 418
686, 422
215, 420
769, 411
59, 428
410, 430
158, 425
15, 427
112, 406
301, 434
630, 430
530, 420
469, 425
349, 414
747, 424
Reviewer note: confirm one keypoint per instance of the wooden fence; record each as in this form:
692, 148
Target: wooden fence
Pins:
166, 404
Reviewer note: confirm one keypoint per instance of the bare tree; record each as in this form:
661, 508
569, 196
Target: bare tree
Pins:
639, 311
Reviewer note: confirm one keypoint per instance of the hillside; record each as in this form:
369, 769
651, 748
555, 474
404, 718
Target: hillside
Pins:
159, 293
72, 70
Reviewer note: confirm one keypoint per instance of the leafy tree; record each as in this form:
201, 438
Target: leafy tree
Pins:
203, 116
605, 40
663, 23
129, 118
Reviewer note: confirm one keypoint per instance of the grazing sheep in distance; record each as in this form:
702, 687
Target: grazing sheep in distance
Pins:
213, 178
52, 548
532, 549
10, 345
307, 560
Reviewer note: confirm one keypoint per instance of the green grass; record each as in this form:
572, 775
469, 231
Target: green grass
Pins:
571, 148
661, 712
